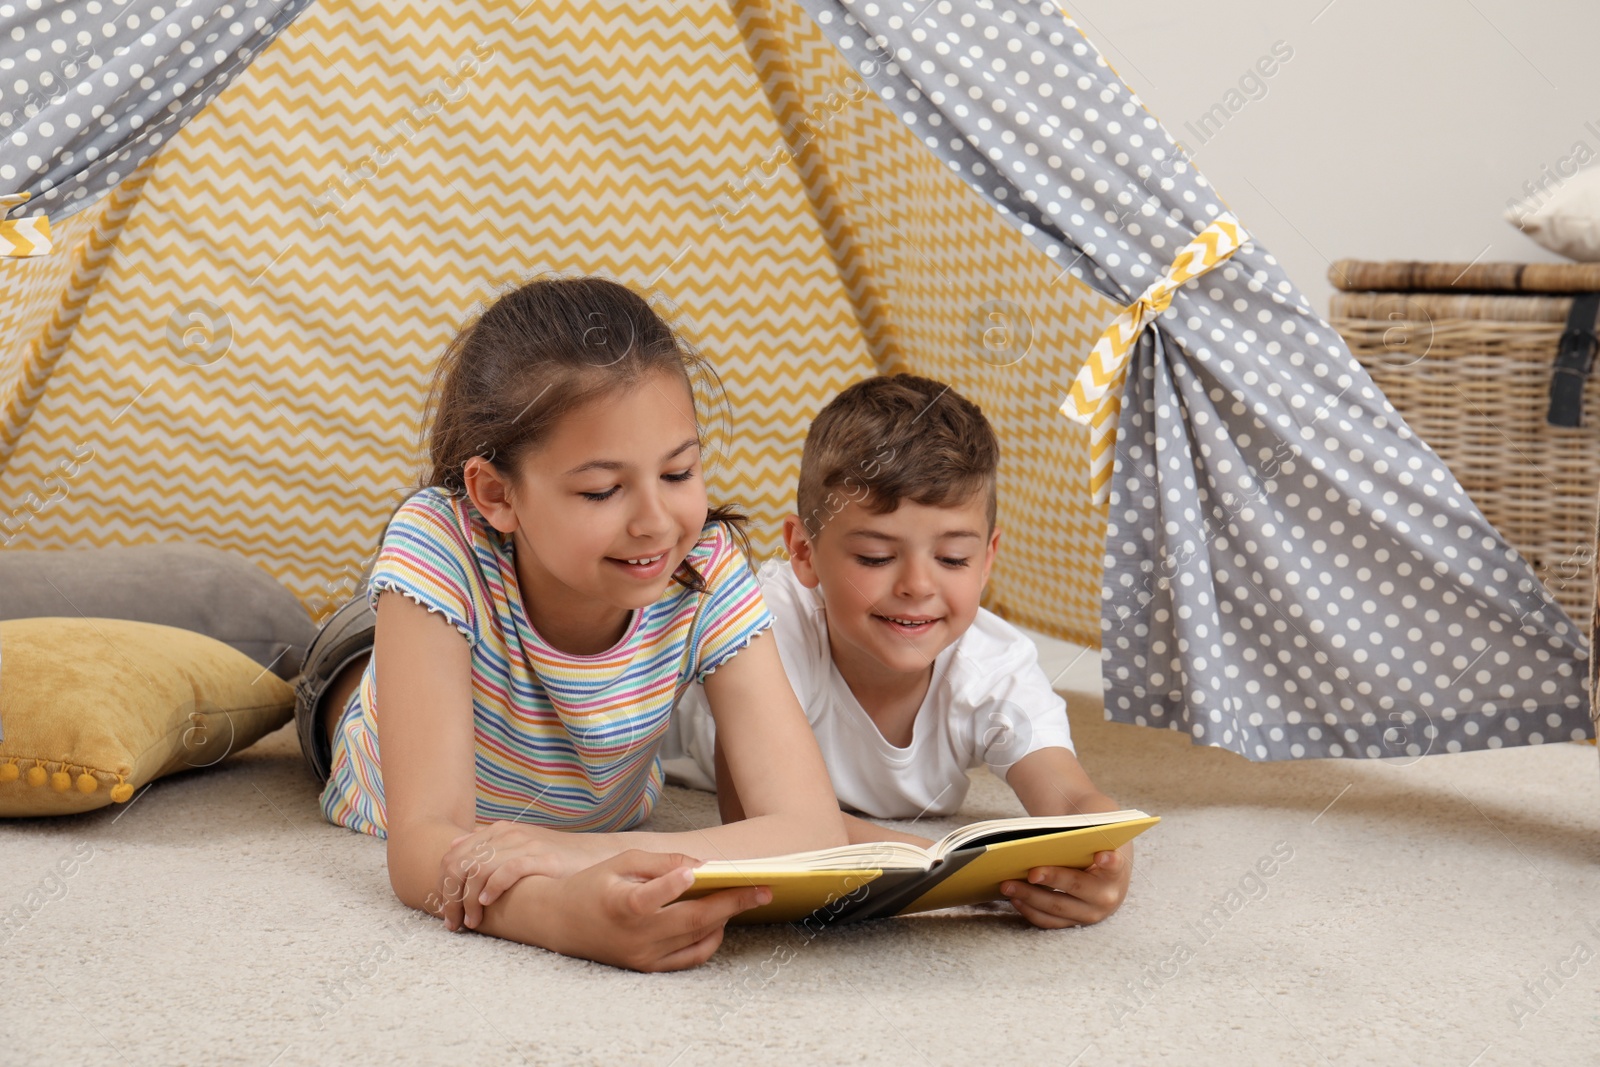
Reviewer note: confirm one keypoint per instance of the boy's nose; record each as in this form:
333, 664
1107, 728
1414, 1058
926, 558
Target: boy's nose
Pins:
915, 581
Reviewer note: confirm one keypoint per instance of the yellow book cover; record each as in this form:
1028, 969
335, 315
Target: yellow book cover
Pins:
882, 878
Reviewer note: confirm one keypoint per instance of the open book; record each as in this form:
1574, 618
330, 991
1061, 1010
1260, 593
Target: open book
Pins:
881, 878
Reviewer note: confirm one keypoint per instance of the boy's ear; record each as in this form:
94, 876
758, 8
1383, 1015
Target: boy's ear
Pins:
989, 553
489, 493
801, 559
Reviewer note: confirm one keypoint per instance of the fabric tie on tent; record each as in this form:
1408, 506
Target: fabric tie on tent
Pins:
1289, 571
1096, 394
21, 238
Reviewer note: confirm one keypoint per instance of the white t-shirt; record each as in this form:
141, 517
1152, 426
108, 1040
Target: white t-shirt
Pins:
989, 703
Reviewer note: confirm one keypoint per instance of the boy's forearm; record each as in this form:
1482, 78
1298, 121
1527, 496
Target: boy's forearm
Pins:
762, 835
1050, 781
1065, 803
861, 832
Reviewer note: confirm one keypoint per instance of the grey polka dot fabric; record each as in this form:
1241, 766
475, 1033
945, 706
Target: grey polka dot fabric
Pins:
1290, 572
90, 88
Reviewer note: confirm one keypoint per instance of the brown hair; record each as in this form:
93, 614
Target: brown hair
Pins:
538, 352
894, 438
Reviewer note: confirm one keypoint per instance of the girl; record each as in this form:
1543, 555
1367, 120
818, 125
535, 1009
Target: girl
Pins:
539, 605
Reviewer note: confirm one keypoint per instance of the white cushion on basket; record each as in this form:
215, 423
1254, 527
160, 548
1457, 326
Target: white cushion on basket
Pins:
1568, 224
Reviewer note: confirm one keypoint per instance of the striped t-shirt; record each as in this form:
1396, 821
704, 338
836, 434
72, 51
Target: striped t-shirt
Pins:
563, 741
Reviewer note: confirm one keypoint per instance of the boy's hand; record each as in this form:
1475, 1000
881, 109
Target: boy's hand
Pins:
1054, 897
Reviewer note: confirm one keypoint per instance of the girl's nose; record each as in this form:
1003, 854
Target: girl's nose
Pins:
650, 519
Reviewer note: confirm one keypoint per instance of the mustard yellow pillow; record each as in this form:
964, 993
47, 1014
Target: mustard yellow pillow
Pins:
92, 709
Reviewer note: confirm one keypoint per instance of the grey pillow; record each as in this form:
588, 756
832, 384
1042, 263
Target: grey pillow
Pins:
190, 586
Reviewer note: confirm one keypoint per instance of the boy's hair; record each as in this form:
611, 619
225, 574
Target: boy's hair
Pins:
894, 438
540, 350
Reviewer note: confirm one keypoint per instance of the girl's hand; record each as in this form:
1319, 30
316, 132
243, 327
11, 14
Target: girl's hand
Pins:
620, 911
481, 865
1054, 897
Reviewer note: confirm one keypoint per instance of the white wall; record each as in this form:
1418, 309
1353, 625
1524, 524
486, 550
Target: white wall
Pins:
1398, 130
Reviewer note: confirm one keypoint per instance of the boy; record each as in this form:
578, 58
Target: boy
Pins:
906, 681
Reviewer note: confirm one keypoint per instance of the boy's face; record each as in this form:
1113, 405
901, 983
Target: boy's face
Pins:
898, 588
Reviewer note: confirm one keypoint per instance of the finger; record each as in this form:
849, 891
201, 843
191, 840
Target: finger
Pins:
1105, 888
715, 909
643, 866
1105, 861
473, 889
507, 875
646, 897
1042, 919
1063, 879
1058, 905
452, 911
460, 880
692, 954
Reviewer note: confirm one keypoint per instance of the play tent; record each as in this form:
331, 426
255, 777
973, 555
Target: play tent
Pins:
230, 339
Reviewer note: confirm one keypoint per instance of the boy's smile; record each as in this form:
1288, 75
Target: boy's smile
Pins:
897, 588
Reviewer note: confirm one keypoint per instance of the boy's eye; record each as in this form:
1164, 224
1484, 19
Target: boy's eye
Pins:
952, 561
599, 496
873, 561
681, 476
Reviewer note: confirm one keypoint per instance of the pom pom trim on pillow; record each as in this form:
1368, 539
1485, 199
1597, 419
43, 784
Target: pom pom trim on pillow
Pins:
119, 703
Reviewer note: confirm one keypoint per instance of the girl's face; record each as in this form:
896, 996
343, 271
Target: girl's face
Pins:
608, 506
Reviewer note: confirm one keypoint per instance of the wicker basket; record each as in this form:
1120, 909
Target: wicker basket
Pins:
1472, 375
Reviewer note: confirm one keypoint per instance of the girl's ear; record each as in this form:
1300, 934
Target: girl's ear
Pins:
801, 559
490, 493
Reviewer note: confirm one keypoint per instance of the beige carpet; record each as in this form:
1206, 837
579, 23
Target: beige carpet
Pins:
1443, 912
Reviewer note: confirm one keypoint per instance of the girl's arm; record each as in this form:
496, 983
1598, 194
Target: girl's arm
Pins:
617, 912
425, 743
767, 749
766, 746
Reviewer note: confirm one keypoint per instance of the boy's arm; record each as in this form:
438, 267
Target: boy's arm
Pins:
861, 831
1050, 781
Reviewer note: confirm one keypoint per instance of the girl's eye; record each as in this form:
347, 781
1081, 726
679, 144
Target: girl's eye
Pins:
599, 496
873, 561
680, 476
950, 561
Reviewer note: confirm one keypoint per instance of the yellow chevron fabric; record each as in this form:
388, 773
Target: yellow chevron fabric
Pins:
945, 287
1095, 399
245, 363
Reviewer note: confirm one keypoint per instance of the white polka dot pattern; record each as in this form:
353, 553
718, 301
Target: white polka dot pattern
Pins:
90, 88
1290, 572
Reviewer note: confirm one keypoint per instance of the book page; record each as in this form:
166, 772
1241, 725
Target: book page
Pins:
1025, 826
871, 855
